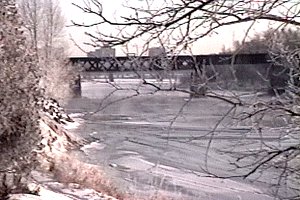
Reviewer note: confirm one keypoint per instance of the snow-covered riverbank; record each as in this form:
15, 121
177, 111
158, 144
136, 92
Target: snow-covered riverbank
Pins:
61, 176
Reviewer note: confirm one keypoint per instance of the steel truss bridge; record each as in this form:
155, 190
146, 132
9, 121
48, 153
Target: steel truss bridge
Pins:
180, 62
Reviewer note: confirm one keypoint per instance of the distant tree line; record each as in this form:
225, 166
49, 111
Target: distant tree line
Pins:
269, 41
283, 47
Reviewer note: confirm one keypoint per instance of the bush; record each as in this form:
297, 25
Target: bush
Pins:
58, 79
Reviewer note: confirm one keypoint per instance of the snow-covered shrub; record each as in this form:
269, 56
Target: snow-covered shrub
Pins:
58, 78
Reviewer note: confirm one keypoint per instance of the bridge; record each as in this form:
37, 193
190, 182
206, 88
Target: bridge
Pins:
180, 62
245, 68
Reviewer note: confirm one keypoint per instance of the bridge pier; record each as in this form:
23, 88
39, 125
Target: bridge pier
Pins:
111, 77
197, 86
76, 87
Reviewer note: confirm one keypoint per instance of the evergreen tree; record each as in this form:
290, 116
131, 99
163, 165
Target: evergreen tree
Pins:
19, 80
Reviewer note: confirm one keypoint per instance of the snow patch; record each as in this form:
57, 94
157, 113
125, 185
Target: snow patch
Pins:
72, 125
92, 146
76, 115
134, 163
186, 179
77, 121
138, 123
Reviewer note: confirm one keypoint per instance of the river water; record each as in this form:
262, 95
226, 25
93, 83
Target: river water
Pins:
168, 143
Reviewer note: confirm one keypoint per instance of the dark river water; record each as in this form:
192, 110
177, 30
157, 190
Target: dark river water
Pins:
165, 142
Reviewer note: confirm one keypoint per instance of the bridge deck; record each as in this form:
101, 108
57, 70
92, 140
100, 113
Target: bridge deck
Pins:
183, 62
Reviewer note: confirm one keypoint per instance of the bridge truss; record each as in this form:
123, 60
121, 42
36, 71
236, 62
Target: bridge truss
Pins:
182, 62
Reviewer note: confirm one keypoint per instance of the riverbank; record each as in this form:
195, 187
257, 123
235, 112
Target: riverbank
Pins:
60, 174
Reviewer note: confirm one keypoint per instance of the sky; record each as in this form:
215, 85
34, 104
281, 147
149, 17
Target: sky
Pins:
207, 45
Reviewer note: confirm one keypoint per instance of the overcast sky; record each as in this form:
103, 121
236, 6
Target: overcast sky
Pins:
211, 44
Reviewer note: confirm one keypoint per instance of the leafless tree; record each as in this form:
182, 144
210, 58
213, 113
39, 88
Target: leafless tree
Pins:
183, 21
178, 23
45, 24
31, 11
52, 29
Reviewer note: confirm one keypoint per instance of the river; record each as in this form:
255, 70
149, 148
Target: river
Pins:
168, 143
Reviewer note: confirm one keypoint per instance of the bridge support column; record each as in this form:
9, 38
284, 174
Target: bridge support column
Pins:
111, 77
197, 87
76, 87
